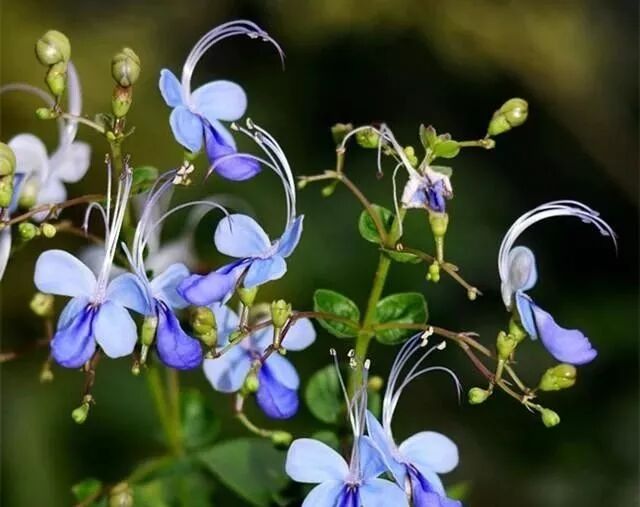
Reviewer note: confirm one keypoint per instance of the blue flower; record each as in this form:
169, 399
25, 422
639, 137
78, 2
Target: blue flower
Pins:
518, 274
428, 190
342, 484
277, 395
196, 117
259, 259
419, 459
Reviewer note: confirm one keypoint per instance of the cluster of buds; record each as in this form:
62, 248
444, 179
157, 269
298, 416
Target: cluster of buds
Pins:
204, 326
125, 70
27, 230
7, 171
54, 50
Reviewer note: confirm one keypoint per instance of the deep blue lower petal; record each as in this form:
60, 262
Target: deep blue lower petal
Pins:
236, 168
424, 495
73, 345
435, 197
349, 497
217, 286
175, 348
276, 400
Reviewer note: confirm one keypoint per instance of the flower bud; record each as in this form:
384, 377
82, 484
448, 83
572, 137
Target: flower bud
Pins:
121, 101
472, 294
281, 439
203, 323
561, 376
44, 113
478, 395
7, 160
280, 313
53, 47
80, 414
410, 152
328, 190
512, 113
48, 230
125, 67
6, 191
375, 383
29, 193
135, 368
368, 138
433, 273
148, 331
28, 231
42, 304
340, 130
251, 383
550, 418
517, 331
56, 78
121, 495
247, 296
506, 344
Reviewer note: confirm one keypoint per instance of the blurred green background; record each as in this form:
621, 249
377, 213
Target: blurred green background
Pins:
406, 62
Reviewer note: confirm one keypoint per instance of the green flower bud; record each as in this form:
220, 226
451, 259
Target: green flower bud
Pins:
506, 344
28, 231
121, 101
42, 304
281, 439
125, 67
472, 294
247, 296
44, 113
135, 369
433, 273
56, 78
80, 414
280, 313
251, 383
148, 331
6, 191
368, 138
561, 376
516, 330
439, 223
203, 323
375, 383
53, 47
121, 495
410, 152
46, 375
29, 193
328, 190
550, 418
512, 113
478, 395
7, 160
48, 230
340, 130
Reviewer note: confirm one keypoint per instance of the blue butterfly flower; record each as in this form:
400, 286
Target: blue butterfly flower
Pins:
196, 117
418, 460
342, 484
518, 274
277, 394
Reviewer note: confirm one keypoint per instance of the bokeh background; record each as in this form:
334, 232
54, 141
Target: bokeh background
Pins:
405, 62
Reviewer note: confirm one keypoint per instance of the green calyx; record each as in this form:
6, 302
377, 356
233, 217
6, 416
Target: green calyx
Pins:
247, 296
42, 304
368, 138
121, 495
281, 439
148, 331
280, 313
7, 160
505, 344
439, 223
478, 395
53, 47
121, 101
549, 418
561, 376
6, 190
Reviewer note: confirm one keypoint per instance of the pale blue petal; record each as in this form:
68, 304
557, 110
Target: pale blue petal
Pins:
187, 128
114, 330
170, 88
265, 270
228, 372
165, 286
220, 100
430, 450
241, 236
58, 272
372, 464
301, 334
5, 249
386, 448
73, 345
283, 371
382, 493
523, 304
312, 461
227, 321
70, 310
275, 399
291, 237
522, 273
126, 290
175, 348
326, 494
261, 339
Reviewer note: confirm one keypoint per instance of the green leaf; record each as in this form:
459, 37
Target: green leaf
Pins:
402, 256
86, 489
446, 149
143, 178
251, 467
190, 488
328, 437
199, 425
328, 301
323, 395
428, 137
367, 226
405, 308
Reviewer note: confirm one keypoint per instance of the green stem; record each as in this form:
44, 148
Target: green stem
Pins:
175, 420
154, 383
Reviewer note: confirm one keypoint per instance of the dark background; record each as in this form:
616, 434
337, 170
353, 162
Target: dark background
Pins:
406, 62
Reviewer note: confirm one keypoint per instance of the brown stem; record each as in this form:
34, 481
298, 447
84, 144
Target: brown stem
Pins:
53, 208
